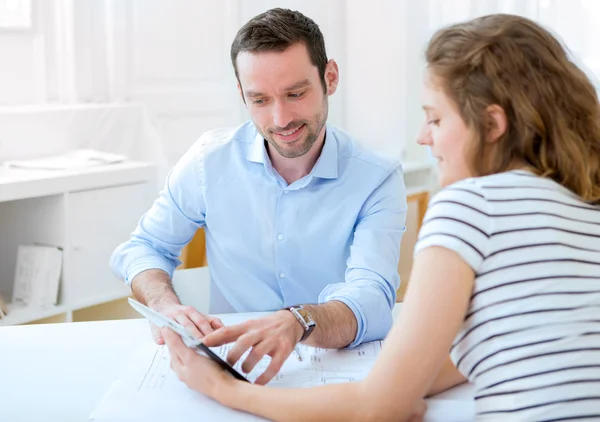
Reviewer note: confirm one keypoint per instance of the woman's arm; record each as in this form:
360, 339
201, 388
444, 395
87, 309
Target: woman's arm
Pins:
448, 377
412, 359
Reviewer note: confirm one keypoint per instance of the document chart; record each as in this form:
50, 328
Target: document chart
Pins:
317, 367
149, 391
321, 366
156, 374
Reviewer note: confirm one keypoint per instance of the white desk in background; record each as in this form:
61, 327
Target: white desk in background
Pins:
61, 372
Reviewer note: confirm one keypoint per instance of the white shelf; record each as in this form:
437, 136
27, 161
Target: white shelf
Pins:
418, 176
86, 212
414, 166
22, 314
417, 190
22, 184
99, 300
52, 108
18, 314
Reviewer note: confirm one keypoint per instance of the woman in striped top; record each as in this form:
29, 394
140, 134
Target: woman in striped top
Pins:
507, 266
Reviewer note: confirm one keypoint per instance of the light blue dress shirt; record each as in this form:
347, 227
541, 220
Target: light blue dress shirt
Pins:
332, 235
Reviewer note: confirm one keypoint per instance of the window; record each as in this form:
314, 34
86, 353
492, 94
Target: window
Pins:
15, 14
575, 22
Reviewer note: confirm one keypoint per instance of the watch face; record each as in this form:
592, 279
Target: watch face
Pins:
304, 315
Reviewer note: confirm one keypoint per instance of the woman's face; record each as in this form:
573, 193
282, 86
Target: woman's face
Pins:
446, 133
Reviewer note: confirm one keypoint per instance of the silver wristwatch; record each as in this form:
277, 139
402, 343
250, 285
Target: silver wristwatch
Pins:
304, 318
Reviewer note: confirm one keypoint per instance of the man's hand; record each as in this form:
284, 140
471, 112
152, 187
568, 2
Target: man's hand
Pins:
195, 322
154, 288
274, 335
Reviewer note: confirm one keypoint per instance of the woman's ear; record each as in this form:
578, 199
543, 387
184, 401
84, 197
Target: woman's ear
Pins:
496, 122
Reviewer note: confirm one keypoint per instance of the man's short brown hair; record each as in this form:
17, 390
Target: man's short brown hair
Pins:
276, 30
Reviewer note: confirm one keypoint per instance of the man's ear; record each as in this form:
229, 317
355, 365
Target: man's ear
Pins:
496, 122
332, 77
241, 91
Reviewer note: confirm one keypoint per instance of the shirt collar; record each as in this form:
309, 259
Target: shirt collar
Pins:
326, 166
257, 152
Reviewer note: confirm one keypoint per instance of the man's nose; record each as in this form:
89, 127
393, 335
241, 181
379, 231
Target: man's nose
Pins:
281, 114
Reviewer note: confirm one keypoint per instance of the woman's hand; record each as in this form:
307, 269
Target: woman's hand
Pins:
419, 411
197, 372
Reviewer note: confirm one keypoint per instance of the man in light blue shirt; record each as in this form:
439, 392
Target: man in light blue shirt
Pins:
295, 212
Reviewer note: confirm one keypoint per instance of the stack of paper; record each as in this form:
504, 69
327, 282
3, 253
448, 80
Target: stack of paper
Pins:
37, 275
150, 391
3, 307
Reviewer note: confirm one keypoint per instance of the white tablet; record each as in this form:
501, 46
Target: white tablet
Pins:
190, 341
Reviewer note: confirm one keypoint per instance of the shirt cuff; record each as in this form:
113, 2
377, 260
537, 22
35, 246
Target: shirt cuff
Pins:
147, 263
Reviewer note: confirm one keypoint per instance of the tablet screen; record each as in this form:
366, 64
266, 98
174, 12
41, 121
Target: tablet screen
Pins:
205, 350
190, 341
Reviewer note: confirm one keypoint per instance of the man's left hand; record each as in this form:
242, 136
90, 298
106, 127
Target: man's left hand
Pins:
275, 335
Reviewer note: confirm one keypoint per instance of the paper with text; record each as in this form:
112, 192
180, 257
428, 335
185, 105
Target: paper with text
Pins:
150, 391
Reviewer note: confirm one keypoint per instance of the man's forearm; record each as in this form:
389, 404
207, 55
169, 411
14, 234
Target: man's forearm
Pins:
154, 288
336, 325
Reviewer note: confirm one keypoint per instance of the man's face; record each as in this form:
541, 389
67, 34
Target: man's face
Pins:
284, 96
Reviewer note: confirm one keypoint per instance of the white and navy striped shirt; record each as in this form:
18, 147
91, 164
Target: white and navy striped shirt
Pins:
530, 341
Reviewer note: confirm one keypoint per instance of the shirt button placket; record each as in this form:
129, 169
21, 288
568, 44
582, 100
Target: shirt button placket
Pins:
280, 256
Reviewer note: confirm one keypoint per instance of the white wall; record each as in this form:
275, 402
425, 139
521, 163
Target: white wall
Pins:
173, 56
20, 78
22, 51
376, 51
59, 59
415, 67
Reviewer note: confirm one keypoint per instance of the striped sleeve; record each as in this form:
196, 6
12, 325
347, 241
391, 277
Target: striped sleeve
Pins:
457, 219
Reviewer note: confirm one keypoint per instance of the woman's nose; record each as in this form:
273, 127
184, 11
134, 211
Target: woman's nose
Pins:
424, 137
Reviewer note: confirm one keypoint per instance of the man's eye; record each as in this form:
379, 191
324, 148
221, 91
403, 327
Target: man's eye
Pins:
296, 95
258, 102
435, 122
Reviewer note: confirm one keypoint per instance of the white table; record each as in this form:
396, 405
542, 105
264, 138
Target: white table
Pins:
60, 372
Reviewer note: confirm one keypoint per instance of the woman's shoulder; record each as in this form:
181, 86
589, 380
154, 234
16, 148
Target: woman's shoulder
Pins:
508, 185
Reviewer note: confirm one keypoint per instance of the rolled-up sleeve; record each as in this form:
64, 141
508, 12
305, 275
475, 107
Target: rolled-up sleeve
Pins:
371, 278
170, 223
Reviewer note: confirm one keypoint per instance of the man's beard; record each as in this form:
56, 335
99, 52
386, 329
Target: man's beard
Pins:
311, 135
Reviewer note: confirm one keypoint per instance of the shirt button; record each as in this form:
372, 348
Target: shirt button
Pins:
281, 275
280, 237
285, 192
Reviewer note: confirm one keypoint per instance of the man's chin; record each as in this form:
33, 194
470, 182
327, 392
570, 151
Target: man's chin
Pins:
293, 149
291, 153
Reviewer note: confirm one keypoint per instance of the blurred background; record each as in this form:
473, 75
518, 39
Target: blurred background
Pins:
173, 57
144, 79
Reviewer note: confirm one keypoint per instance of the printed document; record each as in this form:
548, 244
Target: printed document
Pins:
149, 391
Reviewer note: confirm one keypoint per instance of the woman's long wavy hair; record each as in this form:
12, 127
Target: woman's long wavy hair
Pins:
551, 107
